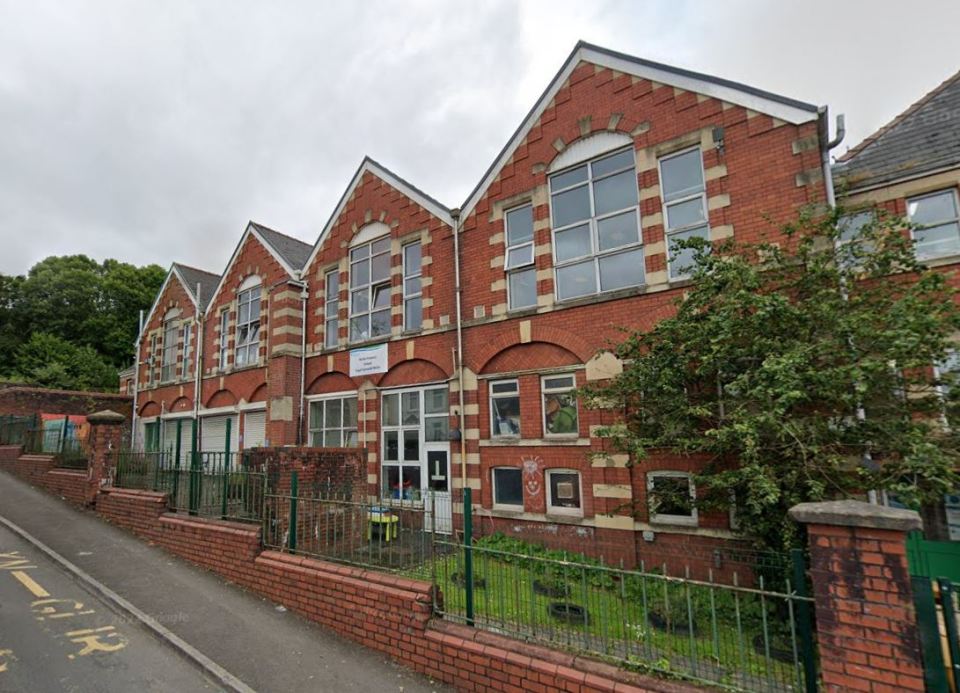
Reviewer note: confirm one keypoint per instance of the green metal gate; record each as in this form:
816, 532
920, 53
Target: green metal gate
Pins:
933, 559
937, 621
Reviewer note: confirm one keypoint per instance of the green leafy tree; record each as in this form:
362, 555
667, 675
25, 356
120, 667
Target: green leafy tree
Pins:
49, 361
799, 372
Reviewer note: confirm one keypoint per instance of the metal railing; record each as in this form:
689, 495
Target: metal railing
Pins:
209, 484
938, 622
13, 429
59, 440
386, 534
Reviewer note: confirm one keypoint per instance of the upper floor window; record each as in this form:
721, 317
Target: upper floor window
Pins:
168, 361
518, 262
849, 242
331, 309
412, 287
370, 290
187, 350
684, 207
559, 405
247, 347
596, 226
936, 223
224, 340
333, 422
151, 360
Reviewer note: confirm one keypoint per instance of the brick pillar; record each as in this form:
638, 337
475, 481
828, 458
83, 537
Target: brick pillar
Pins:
283, 364
105, 437
866, 625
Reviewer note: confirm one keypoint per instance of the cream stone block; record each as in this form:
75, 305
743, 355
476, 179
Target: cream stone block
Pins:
371, 478
543, 249
294, 330
614, 522
652, 191
472, 482
715, 172
649, 220
603, 366
545, 300
718, 201
472, 409
718, 233
544, 274
428, 323
617, 461
281, 409
499, 309
499, 285
526, 329
286, 313
497, 262
657, 248
329, 362
656, 278
496, 238
427, 302
426, 281
410, 346
612, 491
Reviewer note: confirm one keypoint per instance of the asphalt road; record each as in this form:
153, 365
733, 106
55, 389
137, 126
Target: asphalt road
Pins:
268, 648
56, 636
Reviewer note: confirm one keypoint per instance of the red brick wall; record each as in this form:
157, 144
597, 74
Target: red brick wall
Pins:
39, 470
26, 401
383, 612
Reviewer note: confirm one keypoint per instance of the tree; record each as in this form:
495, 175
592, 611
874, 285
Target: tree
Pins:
799, 371
50, 361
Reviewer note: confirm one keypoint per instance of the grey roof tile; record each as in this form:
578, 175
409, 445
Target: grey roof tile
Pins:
208, 282
294, 251
924, 138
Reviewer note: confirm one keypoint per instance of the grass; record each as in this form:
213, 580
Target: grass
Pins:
638, 620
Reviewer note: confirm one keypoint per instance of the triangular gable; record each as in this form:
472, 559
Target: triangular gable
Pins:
393, 180
780, 107
253, 231
172, 273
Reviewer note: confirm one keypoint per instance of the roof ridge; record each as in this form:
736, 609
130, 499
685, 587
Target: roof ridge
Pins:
196, 269
258, 225
898, 119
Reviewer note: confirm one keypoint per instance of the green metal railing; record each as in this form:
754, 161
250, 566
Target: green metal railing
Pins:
59, 440
13, 429
390, 534
206, 484
938, 620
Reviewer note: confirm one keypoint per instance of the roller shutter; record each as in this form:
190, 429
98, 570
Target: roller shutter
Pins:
254, 429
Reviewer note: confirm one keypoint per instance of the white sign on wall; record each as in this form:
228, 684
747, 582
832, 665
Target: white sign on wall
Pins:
368, 360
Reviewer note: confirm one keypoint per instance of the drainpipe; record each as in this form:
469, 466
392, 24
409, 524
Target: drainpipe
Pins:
304, 295
455, 213
136, 383
197, 366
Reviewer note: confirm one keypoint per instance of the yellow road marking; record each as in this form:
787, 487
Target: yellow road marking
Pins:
30, 584
4, 655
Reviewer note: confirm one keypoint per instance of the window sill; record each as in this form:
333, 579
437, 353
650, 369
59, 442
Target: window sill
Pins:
604, 296
522, 312
534, 442
373, 341
508, 511
556, 515
940, 260
668, 521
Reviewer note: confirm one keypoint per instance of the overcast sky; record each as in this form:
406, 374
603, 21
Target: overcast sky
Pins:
152, 131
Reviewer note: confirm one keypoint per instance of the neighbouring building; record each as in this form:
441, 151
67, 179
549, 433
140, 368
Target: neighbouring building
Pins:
911, 168
447, 342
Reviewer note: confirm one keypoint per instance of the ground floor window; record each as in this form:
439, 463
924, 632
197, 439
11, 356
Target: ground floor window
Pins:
563, 492
333, 422
671, 498
415, 432
508, 488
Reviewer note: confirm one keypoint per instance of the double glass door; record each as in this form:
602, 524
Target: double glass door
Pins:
416, 450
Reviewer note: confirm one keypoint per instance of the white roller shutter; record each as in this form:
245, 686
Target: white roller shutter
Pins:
213, 435
254, 429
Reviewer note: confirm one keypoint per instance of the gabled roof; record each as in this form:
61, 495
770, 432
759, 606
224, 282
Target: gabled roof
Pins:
923, 139
429, 203
190, 277
781, 107
294, 251
289, 252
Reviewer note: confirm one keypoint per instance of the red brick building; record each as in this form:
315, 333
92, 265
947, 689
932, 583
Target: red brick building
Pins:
447, 342
911, 168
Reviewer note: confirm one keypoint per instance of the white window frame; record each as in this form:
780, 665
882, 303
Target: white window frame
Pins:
497, 504
691, 520
315, 427
187, 350
544, 391
686, 197
224, 338
331, 304
592, 221
245, 347
409, 274
561, 510
495, 396
370, 287
400, 427
151, 360
955, 220
168, 352
521, 267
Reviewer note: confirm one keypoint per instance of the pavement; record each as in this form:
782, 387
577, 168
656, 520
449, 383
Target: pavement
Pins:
245, 638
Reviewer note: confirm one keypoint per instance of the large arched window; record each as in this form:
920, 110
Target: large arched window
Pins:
247, 347
370, 283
